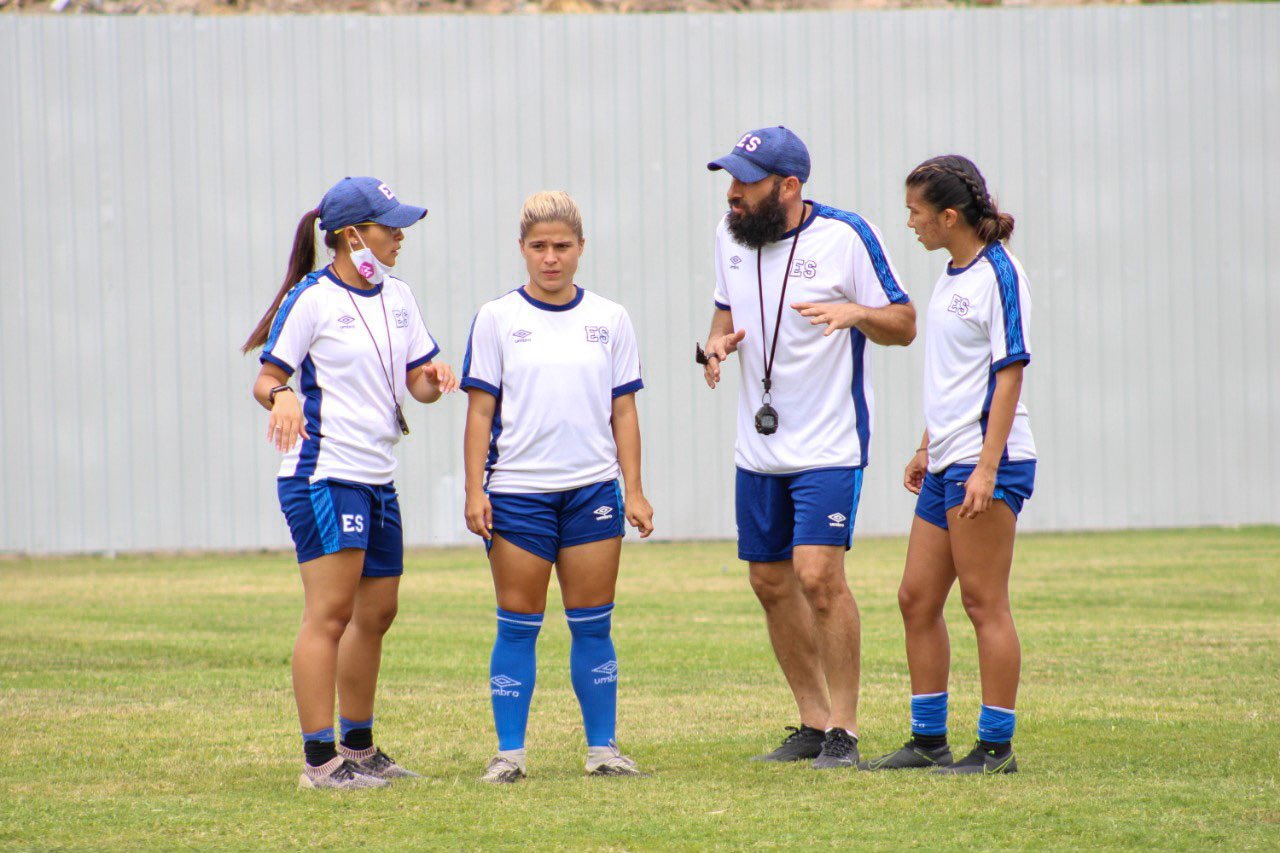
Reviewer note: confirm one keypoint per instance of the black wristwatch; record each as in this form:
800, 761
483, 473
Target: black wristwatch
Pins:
271, 395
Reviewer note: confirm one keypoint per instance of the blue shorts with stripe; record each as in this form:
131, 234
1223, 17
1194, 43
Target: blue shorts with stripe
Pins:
940, 492
330, 515
776, 512
544, 522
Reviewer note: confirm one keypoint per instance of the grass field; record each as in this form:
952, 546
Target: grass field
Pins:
146, 705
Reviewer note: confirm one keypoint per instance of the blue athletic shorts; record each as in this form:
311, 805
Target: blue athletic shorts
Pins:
329, 515
776, 512
544, 522
940, 492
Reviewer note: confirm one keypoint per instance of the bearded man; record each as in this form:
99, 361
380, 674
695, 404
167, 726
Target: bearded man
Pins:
791, 275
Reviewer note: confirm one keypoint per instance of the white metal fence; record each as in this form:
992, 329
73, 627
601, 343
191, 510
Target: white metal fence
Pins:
152, 171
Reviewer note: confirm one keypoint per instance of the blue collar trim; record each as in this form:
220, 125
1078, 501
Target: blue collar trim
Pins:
551, 306
813, 214
358, 291
954, 271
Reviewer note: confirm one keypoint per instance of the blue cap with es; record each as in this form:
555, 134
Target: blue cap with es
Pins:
354, 200
764, 152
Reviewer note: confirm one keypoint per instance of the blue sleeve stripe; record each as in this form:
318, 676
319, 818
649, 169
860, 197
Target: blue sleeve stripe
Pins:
879, 259
1007, 284
1000, 365
278, 362
418, 362
479, 384
466, 358
285, 307
629, 388
722, 306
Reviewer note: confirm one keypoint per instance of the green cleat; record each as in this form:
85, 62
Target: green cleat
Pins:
982, 761
908, 757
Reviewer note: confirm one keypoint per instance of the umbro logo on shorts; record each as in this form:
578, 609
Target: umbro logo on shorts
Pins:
522, 336
608, 671
604, 513
837, 519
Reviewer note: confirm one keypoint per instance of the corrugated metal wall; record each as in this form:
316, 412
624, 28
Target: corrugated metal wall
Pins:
152, 172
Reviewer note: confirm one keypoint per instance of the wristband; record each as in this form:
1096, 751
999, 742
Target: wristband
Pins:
271, 395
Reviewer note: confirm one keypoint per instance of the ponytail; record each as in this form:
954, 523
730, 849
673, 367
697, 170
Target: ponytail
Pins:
954, 182
302, 260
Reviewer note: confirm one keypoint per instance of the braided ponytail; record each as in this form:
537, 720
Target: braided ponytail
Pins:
954, 182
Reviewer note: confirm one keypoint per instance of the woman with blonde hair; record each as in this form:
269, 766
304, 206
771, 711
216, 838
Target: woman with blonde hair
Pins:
551, 372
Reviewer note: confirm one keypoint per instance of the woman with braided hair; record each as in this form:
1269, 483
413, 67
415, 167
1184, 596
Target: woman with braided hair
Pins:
973, 469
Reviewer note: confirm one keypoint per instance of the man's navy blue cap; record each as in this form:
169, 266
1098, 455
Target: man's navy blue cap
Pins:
354, 200
764, 152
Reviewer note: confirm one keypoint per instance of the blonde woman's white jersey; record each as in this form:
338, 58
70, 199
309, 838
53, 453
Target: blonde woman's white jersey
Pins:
334, 335
978, 322
821, 386
555, 371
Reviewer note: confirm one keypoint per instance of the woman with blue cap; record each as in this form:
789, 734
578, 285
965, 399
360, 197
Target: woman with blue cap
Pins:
353, 334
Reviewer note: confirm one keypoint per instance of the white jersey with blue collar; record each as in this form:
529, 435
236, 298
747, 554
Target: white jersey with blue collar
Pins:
555, 371
353, 349
821, 386
978, 323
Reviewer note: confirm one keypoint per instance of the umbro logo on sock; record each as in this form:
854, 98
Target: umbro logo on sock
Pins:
604, 513
502, 685
609, 670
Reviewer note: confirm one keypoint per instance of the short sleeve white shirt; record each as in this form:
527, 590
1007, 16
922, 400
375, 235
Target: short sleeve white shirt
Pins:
555, 371
353, 350
977, 324
821, 386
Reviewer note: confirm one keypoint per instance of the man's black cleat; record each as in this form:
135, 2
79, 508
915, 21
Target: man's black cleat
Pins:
988, 762
840, 749
911, 755
802, 744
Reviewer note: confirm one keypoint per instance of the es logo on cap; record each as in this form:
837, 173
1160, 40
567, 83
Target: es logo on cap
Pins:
386, 190
748, 142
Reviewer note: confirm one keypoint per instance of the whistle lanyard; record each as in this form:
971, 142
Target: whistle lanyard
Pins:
386, 372
777, 323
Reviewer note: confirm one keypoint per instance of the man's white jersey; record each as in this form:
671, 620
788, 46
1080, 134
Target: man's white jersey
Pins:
555, 371
821, 387
334, 335
977, 324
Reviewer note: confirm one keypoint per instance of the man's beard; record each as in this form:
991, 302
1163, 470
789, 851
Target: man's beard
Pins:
762, 226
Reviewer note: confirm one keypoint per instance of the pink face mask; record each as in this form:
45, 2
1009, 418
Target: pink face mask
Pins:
370, 268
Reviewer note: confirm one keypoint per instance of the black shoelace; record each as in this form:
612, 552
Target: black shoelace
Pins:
839, 744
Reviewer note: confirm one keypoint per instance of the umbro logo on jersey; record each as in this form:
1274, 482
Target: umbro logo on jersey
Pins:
735, 260
502, 685
402, 317
522, 336
347, 321
597, 333
604, 513
837, 519
959, 305
608, 670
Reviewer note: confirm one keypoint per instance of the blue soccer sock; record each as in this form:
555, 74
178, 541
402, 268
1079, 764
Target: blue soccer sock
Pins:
356, 734
593, 667
318, 746
512, 671
929, 719
995, 725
